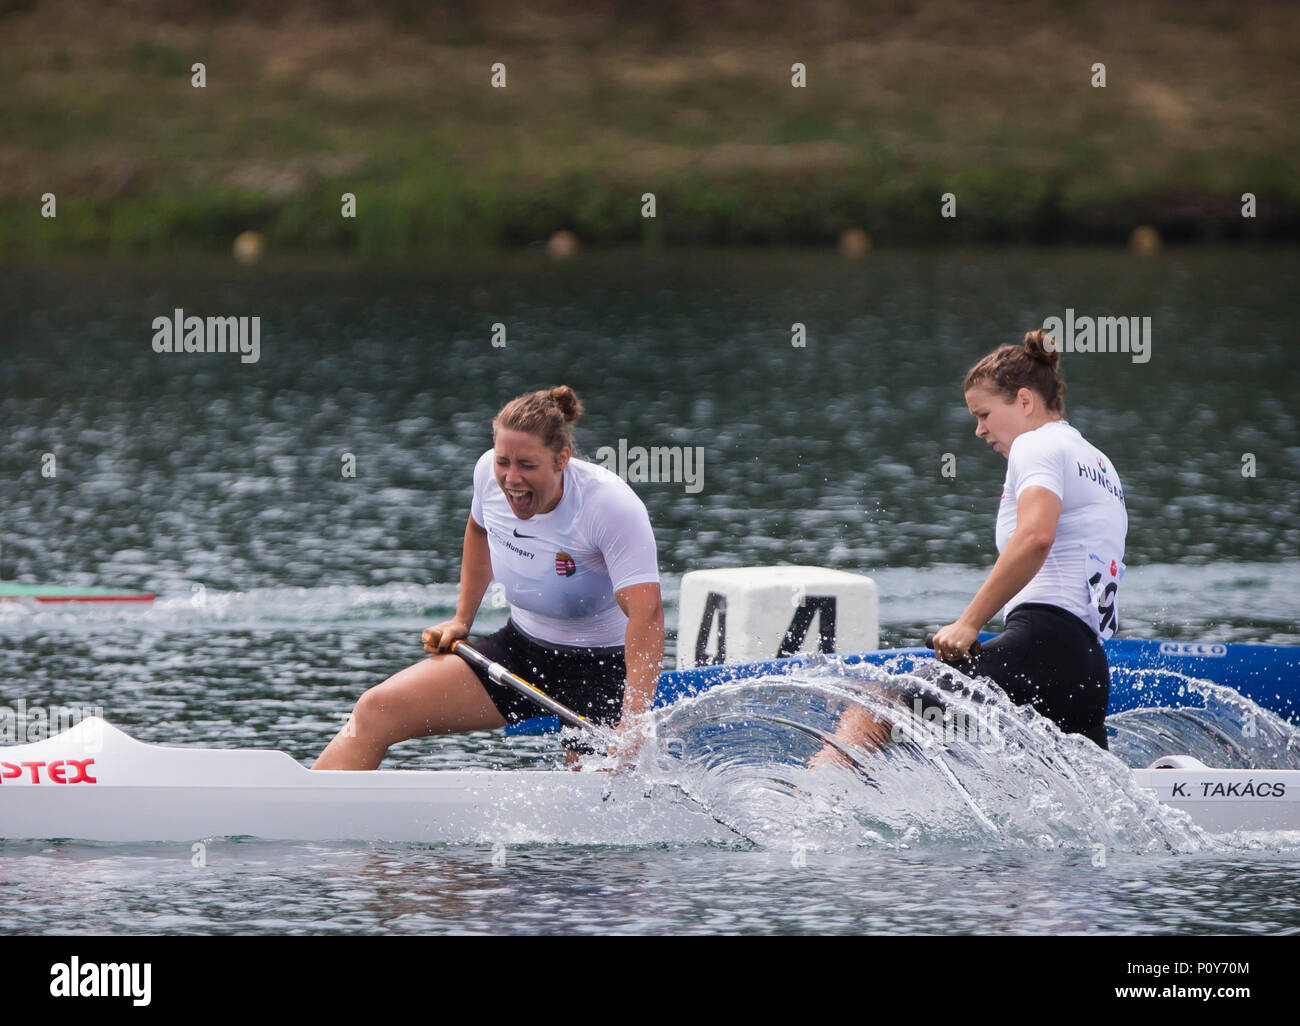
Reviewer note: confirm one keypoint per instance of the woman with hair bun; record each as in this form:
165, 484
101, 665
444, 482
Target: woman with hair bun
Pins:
572, 546
1060, 535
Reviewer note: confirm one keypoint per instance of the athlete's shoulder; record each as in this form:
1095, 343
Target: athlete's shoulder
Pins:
607, 502
1051, 441
601, 481
1089, 454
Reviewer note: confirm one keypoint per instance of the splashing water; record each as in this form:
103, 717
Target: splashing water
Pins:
1217, 726
962, 764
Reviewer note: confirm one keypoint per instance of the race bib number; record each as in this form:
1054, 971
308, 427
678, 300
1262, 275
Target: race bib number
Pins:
1104, 576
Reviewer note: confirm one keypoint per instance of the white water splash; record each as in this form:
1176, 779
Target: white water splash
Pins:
1014, 782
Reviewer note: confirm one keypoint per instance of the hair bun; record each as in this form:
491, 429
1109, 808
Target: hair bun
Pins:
1033, 364
567, 400
1037, 348
548, 413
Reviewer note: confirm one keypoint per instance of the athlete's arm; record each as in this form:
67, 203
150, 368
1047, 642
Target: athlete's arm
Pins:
1037, 512
643, 650
475, 576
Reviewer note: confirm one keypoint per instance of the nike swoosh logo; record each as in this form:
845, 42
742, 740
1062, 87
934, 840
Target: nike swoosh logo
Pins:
518, 535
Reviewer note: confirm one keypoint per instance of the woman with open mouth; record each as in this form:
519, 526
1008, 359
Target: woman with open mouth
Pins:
572, 547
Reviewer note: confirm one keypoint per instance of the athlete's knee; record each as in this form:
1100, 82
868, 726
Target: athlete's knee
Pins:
376, 716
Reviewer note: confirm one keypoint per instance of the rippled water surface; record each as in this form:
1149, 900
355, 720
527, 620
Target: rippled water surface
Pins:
286, 588
278, 888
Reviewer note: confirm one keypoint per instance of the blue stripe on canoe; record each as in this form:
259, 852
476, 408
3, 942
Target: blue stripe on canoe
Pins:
1268, 675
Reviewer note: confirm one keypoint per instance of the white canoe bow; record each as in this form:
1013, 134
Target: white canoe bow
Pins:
95, 782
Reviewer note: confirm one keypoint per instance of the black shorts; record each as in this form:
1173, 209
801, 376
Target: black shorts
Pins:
1052, 660
590, 681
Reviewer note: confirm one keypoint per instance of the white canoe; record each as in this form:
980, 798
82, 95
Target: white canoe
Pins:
1224, 800
94, 782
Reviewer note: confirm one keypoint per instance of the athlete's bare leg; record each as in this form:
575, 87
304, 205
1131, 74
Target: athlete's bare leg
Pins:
858, 729
439, 695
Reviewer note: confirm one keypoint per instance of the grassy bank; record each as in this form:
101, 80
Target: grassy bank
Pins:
904, 102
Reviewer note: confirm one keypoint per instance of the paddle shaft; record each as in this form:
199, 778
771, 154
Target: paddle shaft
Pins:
501, 675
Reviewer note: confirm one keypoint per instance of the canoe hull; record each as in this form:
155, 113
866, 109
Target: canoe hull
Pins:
97, 783
1222, 801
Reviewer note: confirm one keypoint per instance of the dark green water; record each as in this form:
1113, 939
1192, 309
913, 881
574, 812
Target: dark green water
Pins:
211, 469
286, 588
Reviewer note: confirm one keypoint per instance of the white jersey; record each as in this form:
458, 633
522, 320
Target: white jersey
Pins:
1085, 565
560, 569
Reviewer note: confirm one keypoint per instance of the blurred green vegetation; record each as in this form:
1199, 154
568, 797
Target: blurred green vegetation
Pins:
605, 101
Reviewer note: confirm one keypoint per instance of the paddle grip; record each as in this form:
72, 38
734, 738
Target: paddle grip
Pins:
974, 649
